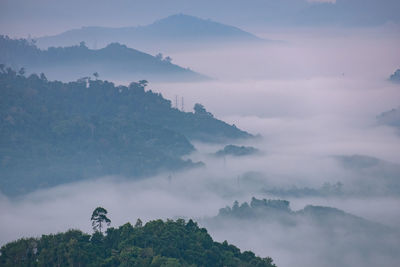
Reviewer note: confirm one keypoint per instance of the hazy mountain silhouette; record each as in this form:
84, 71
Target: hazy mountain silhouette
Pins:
176, 29
115, 61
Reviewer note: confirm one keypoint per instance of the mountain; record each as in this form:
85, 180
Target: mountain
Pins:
335, 237
174, 30
325, 220
275, 210
371, 175
115, 61
54, 132
157, 243
257, 14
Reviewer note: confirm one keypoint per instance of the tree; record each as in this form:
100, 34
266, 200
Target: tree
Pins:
99, 218
96, 75
159, 56
200, 110
139, 223
168, 59
43, 77
143, 83
21, 71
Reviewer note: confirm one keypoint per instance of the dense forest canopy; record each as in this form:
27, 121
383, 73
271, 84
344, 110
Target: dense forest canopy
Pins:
157, 243
115, 61
54, 132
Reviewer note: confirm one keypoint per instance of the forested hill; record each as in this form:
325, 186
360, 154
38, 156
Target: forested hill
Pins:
279, 211
54, 132
116, 61
157, 243
178, 30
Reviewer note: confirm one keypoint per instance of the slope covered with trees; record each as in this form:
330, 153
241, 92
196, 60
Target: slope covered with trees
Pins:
115, 61
54, 132
323, 219
157, 243
335, 237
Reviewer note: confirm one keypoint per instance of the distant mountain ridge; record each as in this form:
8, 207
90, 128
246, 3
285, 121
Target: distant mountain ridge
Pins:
115, 61
176, 29
334, 236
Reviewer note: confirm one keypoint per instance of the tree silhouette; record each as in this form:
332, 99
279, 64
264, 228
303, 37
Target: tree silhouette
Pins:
99, 218
21, 71
138, 223
159, 56
143, 83
168, 59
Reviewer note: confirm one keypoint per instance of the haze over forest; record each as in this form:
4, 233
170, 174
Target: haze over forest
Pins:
272, 125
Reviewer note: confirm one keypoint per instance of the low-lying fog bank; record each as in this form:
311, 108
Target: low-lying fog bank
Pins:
314, 101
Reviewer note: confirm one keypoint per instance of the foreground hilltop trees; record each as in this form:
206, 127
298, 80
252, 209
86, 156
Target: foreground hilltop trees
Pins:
157, 243
54, 132
99, 219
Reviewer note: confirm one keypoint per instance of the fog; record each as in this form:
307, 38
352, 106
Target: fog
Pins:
311, 97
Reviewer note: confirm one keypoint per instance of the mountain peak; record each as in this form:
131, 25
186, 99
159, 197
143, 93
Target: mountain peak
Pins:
181, 17
185, 26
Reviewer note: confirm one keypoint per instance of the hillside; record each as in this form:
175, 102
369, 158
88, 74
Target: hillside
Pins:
157, 243
323, 219
176, 29
54, 132
271, 226
115, 61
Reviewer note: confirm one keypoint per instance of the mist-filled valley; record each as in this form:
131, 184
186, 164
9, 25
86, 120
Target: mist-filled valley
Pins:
286, 146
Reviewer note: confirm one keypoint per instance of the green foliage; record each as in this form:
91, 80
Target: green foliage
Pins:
157, 243
54, 132
99, 218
